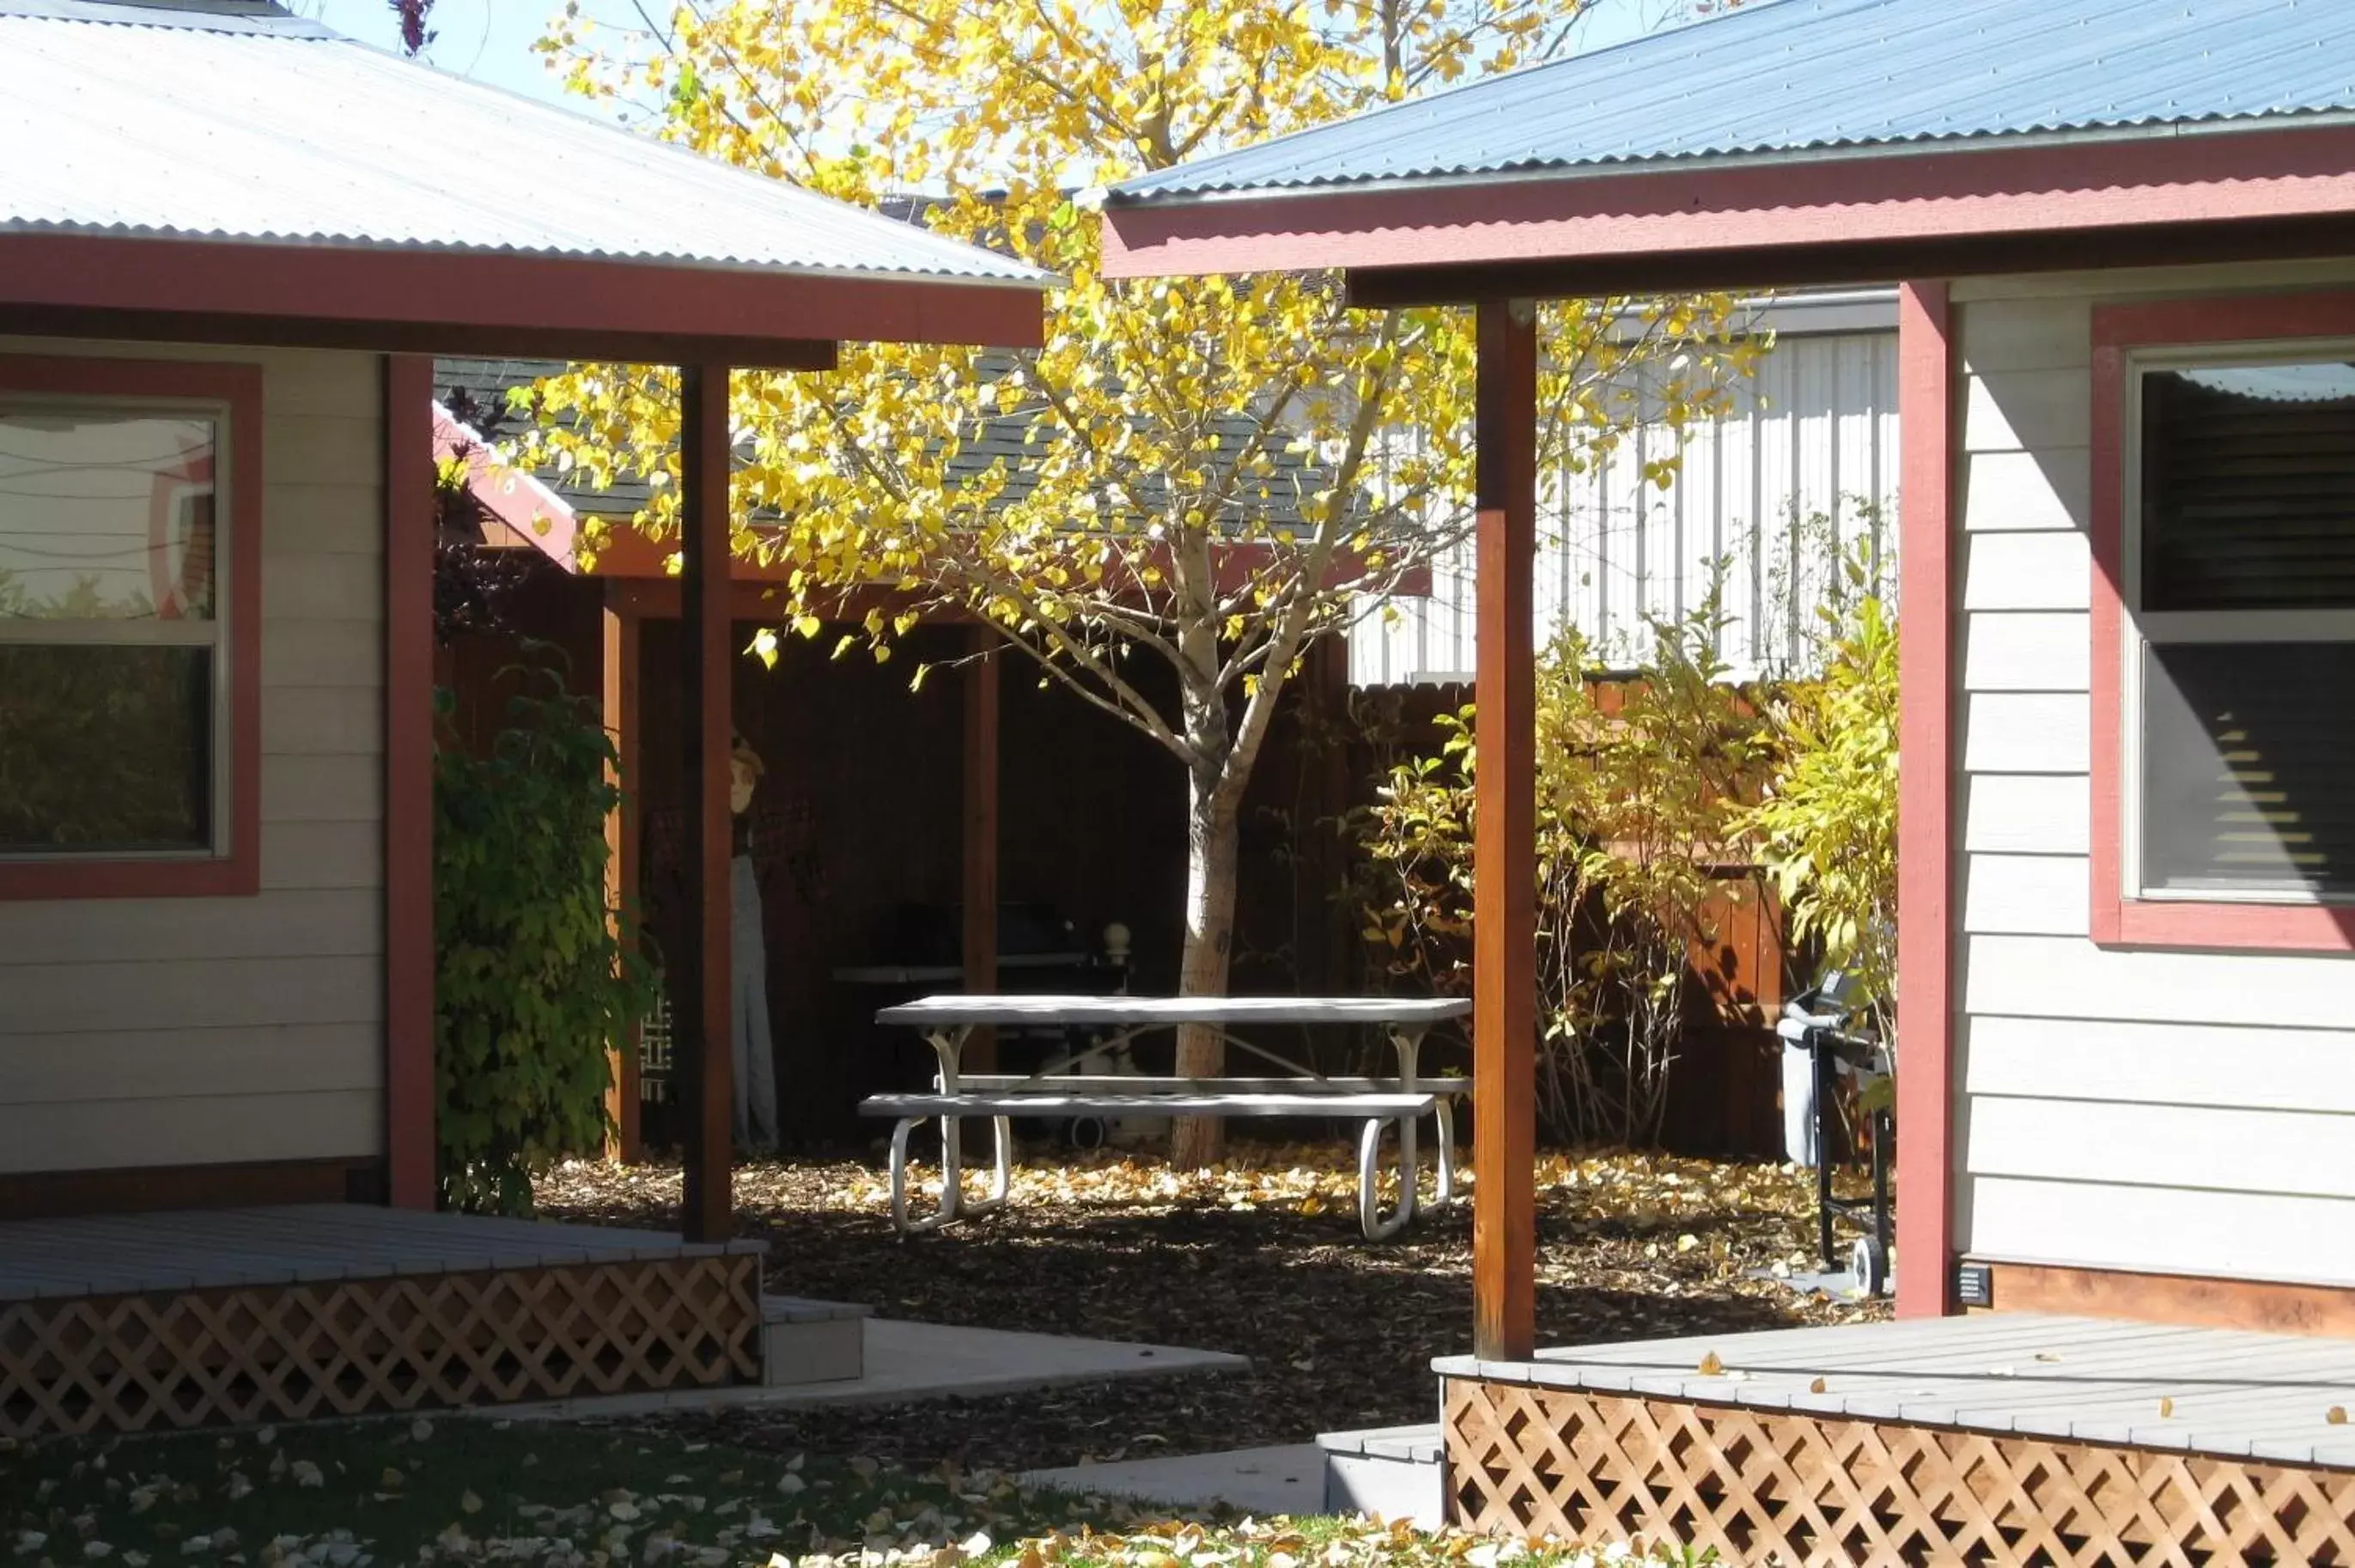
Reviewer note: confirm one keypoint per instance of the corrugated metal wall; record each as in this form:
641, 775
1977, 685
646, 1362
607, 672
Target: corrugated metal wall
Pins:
1803, 465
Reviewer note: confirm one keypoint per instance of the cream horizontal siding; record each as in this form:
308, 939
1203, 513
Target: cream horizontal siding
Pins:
2160, 1063
2163, 1230
190, 1130
168, 1031
1804, 463
2159, 1111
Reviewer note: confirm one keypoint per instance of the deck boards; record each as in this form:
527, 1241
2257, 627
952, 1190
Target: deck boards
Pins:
2246, 1396
204, 1249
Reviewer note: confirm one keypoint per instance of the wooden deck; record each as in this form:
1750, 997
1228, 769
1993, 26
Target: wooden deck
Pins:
1998, 1439
129, 1321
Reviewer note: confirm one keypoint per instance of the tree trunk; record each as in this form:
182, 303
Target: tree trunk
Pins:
1213, 826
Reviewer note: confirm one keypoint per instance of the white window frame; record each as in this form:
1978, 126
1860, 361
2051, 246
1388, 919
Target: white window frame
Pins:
155, 631
2138, 629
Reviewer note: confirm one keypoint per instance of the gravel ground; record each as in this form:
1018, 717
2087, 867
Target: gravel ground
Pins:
1261, 1257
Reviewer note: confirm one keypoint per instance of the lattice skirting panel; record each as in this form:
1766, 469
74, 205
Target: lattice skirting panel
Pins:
1776, 1487
351, 1346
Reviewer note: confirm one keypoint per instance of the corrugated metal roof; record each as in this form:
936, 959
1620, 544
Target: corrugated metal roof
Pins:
1013, 437
1784, 76
239, 122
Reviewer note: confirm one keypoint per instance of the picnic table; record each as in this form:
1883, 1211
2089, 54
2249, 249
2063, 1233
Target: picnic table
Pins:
946, 1022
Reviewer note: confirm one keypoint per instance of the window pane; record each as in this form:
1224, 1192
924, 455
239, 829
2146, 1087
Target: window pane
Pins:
2249, 767
105, 517
2248, 487
105, 747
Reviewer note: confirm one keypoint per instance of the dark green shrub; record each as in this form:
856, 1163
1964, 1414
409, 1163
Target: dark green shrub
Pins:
533, 987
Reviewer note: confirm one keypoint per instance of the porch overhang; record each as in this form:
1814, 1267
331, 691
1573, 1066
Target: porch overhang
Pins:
2030, 204
404, 300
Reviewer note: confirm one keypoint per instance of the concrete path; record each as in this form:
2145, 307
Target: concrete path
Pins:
1258, 1481
925, 1361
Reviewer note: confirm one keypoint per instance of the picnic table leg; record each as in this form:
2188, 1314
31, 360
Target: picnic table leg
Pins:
899, 1221
1001, 1178
1408, 1041
947, 1045
1369, 1181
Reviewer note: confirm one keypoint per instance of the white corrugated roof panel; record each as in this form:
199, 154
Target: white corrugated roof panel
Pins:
231, 121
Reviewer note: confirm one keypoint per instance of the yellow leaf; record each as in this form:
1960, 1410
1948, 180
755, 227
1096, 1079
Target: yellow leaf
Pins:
1817, 1386
2166, 1408
1713, 1366
2336, 1416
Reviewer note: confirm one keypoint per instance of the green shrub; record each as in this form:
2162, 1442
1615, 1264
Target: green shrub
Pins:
533, 987
1638, 784
1826, 827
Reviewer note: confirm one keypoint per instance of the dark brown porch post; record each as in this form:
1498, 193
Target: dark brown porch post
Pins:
619, 685
980, 895
698, 977
1504, 841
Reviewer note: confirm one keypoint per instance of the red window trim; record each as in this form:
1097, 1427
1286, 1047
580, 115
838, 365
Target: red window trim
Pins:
2117, 920
238, 387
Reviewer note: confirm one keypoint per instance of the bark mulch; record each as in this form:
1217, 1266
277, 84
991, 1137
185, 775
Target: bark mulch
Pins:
1261, 1257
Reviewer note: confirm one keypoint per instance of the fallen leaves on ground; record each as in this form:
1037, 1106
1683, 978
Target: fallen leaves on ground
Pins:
1360, 1543
1260, 1256
612, 1498
481, 1490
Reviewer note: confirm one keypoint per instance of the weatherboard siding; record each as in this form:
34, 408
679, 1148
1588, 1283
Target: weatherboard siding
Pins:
1813, 439
197, 1030
2187, 1112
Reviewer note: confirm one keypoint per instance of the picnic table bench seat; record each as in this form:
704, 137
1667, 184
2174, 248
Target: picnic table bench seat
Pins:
1056, 1092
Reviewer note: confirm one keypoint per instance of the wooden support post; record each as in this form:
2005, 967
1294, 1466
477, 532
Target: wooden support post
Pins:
408, 523
1926, 903
980, 895
620, 705
1503, 842
700, 1011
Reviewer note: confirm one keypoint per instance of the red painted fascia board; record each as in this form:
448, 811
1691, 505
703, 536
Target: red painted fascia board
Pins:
462, 291
1926, 804
1794, 204
2116, 920
237, 874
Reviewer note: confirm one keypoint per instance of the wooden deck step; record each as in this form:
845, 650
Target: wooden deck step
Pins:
1398, 1472
810, 1342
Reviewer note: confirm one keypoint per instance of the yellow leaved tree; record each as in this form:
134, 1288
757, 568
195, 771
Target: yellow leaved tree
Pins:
1199, 479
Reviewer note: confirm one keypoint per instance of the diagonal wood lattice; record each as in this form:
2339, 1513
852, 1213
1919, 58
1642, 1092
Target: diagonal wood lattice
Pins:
247, 1353
1765, 1486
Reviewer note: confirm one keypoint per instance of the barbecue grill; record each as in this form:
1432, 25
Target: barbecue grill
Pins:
1827, 1039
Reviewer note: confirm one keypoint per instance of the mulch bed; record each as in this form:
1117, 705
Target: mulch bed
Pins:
1261, 1257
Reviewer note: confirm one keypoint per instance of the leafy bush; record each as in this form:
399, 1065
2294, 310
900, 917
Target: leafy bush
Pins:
1639, 784
534, 988
1826, 827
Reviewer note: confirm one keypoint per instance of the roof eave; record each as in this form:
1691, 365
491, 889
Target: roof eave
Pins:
1123, 197
402, 299
1753, 222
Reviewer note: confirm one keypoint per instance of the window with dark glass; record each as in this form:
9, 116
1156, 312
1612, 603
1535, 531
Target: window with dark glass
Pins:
2244, 605
111, 648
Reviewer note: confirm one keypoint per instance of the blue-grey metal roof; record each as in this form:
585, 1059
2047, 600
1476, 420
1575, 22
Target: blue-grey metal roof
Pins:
1782, 76
232, 120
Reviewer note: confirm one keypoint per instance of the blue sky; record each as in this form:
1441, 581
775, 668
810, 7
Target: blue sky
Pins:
491, 40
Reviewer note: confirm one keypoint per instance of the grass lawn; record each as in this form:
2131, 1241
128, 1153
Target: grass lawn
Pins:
474, 1490
353, 1494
